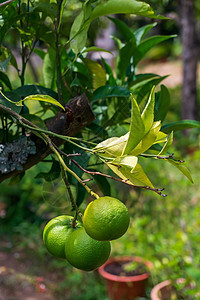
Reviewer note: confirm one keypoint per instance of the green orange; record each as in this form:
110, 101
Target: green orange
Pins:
56, 233
85, 253
106, 219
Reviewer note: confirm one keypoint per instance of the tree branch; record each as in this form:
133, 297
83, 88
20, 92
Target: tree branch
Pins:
78, 114
6, 2
158, 191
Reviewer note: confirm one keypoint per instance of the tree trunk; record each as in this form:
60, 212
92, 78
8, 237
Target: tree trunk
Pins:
189, 109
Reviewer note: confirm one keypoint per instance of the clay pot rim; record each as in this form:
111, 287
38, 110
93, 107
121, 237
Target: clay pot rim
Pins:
159, 286
112, 277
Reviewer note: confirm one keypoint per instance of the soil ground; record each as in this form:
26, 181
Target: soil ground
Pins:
173, 69
16, 280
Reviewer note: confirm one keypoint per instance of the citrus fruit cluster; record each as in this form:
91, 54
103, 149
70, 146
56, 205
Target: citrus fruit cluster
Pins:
87, 246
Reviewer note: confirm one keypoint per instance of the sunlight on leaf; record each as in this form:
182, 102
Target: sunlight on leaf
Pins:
182, 168
93, 48
148, 140
129, 160
44, 98
137, 129
97, 72
134, 176
167, 144
148, 112
112, 147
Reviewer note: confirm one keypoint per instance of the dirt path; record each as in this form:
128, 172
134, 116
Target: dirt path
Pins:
171, 68
16, 283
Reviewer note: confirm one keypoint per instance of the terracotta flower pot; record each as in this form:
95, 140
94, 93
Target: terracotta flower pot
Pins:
164, 290
125, 287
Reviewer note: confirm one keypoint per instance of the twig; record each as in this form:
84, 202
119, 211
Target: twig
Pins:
68, 155
170, 156
158, 191
24, 122
66, 85
6, 2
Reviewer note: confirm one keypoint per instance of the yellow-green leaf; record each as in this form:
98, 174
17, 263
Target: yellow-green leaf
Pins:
181, 167
134, 176
161, 137
44, 98
148, 112
129, 160
148, 140
167, 144
93, 48
137, 129
97, 72
112, 147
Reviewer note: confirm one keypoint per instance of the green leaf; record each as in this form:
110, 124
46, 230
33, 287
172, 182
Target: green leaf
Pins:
53, 173
81, 193
97, 72
45, 8
4, 64
161, 137
127, 7
63, 4
16, 179
128, 160
44, 98
111, 80
137, 128
146, 45
79, 29
123, 28
7, 58
31, 89
98, 130
93, 48
181, 167
140, 32
112, 147
162, 103
40, 53
124, 57
103, 184
49, 68
110, 91
4, 78
44, 34
180, 125
167, 144
8, 23
143, 80
148, 112
146, 88
35, 120
135, 177
148, 140
14, 97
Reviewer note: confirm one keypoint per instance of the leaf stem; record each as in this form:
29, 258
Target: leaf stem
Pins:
158, 191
